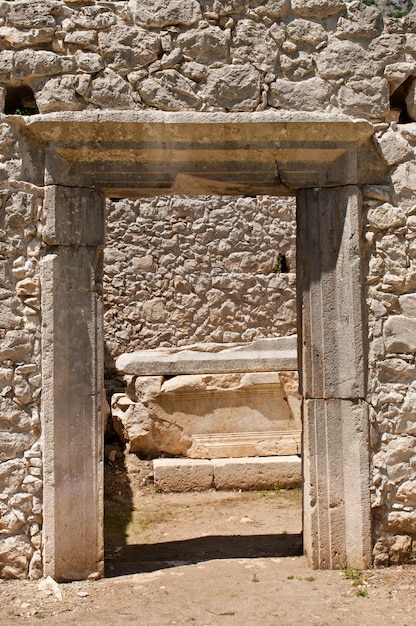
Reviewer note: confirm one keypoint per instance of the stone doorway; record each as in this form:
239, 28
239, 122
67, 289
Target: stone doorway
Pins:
136, 153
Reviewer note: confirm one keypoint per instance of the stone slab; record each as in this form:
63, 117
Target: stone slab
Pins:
266, 355
183, 474
246, 473
257, 473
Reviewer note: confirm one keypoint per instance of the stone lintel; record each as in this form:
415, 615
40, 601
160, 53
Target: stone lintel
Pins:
337, 520
269, 355
131, 153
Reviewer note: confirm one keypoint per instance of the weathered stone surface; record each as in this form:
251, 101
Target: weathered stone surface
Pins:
361, 21
307, 95
386, 216
234, 88
125, 48
344, 58
155, 13
94, 17
183, 474
29, 63
59, 94
15, 553
400, 334
306, 31
209, 45
404, 182
370, 96
411, 101
110, 91
169, 91
408, 304
265, 473
268, 8
31, 14
252, 44
317, 8
264, 355
207, 416
15, 38
394, 147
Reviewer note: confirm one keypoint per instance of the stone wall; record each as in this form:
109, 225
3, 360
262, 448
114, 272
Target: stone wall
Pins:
20, 374
185, 270
214, 55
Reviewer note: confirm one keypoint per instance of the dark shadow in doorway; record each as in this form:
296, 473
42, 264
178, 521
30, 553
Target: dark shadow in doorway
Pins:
134, 559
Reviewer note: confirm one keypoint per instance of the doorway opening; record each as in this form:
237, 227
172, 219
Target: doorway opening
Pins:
199, 273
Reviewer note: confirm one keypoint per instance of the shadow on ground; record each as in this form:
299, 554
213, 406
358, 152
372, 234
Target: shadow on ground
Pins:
133, 559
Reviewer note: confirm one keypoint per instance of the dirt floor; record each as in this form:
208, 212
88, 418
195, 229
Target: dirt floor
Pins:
209, 559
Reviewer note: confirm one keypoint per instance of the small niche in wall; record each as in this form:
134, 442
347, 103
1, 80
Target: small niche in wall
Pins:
20, 100
280, 265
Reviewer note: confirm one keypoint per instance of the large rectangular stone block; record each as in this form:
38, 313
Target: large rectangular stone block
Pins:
330, 299
337, 522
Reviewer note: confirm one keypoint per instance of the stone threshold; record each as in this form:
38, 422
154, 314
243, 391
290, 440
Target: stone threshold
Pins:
244, 473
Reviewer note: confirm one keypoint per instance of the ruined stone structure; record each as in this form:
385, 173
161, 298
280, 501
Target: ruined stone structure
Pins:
306, 98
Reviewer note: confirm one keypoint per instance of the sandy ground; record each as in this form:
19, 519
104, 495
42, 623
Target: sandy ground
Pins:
210, 559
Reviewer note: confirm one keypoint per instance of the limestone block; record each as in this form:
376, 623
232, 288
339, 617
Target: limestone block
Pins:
94, 18
406, 422
307, 95
257, 473
317, 9
393, 146
89, 61
206, 416
268, 8
206, 45
386, 216
396, 371
15, 554
400, 451
110, 91
6, 64
411, 101
408, 304
404, 182
259, 356
129, 48
401, 521
365, 96
15, 38
397, 73
234, 88
16, 345
253, 44
13, 444
387, 49
156, 13
58, 94
361, 21
344, 58
32, 14
10, 521
169, 91
29, 63
400, 334
12, 473
407, 493
306, 31
183, 474
85, 39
